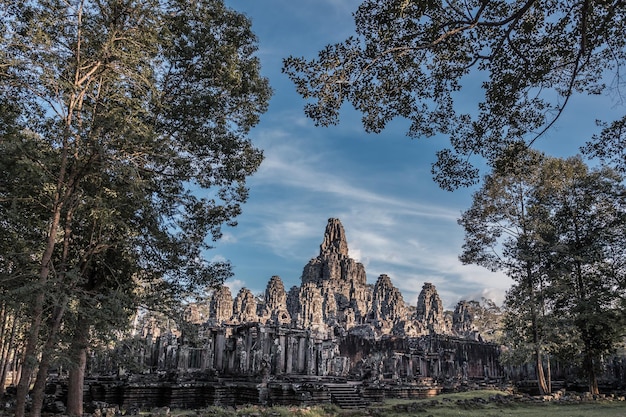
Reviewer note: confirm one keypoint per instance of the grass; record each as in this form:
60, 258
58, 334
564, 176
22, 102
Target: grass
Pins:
463, 404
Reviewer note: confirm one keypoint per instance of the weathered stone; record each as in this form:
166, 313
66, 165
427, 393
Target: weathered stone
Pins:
293, 304
388, 306
221, 306
430, 312
462, 318
334, 239
275, 308
245, 307
197, 313
312, 311
340, 279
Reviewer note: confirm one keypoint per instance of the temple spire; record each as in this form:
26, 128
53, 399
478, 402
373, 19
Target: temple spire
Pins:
334, 239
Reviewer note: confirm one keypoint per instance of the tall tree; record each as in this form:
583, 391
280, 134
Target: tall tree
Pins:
143, 107
501, 234
610, 145
566, 255
587, 257
410, 59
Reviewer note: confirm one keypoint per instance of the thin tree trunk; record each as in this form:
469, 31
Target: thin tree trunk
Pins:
549, 375
4, 344
17, 364
30, 351
76, 379
6, 355
541, 377
46, 357
32, 341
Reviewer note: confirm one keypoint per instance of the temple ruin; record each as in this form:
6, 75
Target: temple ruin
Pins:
333, 338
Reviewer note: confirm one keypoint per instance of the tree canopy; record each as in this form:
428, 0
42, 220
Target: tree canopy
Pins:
124, 136
411, 59
557, 229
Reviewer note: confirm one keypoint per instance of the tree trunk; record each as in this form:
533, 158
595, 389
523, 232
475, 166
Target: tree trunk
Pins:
6, 354
4, 344
549, 375
591, 374
541, 377
46, 356
76, 380
32, 341
30, 353
76, 384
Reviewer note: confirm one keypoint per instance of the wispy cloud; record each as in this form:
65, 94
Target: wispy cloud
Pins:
411, 241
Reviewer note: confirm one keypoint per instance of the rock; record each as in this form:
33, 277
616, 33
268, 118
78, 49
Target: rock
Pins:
221, 306
430, 310
245, 307
161, 412
388, 306
275, 308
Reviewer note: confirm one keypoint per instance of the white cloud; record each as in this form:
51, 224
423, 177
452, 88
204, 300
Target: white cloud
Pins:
234, 285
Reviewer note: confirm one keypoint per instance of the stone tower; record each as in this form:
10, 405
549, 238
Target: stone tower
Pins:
430, 310
388, 305
221, 305
275, 308
340, 279
244, 307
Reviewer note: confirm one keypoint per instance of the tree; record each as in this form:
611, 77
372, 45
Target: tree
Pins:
410, 59
143, 108
501, 233
610, 145
587, 256
558, 230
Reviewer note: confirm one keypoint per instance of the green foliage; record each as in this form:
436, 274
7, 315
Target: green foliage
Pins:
124, 139
557, 228
410, 59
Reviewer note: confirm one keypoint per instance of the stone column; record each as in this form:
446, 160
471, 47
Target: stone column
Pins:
220, 345
282, 347
290, 351
319, 359
310, 357
301, 354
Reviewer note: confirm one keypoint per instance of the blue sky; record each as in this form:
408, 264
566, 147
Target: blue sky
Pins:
397, 221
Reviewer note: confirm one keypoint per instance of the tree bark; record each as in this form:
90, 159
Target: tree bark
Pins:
30, 358
44, 364
76, 380
541, 377
32, 341
591, 374
76, 384
4, 344
6, 354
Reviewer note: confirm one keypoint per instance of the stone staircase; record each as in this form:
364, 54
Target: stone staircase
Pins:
346, 395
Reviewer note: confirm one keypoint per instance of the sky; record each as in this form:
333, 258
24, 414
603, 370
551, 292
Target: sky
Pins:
397, 221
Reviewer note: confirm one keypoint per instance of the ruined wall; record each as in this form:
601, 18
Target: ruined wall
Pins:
260, 351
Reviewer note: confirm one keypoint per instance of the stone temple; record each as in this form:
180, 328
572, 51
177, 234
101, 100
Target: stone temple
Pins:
334, 338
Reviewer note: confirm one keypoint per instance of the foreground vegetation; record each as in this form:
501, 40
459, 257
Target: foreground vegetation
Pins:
467, 404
